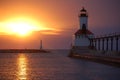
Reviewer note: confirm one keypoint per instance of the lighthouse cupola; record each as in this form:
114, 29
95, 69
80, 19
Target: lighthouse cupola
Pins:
83, 18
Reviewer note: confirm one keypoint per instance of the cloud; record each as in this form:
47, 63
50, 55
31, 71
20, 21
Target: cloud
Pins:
49, 31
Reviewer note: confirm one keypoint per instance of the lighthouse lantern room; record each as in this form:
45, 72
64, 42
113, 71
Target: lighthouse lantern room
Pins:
82, 36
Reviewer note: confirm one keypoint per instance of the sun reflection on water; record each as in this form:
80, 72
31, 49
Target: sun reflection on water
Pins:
22, 67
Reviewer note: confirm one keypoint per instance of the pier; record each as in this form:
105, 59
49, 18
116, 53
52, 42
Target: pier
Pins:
102, 49
23, 51
41, 50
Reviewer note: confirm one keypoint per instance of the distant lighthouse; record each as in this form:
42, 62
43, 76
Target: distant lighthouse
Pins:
41, 44
82, 35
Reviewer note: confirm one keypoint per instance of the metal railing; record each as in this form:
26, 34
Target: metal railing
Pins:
106, 42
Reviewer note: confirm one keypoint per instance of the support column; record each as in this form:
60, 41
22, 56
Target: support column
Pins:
116, 43
111, 43
95, 43
103, 44
98, 44
107, 44
90, 42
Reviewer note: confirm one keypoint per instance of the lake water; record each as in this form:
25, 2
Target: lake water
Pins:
53, 66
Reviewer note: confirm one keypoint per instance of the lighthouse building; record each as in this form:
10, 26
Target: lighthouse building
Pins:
82, 36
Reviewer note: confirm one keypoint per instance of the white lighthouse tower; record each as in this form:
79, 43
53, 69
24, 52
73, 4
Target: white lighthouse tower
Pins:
82, 36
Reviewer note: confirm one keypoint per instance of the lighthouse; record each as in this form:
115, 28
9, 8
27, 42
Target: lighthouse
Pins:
41, 44
81, 38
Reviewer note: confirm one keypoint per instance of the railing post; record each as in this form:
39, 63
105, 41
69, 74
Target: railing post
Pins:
98, 44
107, 44
111, 43
116, 43
90, 42
103, 44
95, 43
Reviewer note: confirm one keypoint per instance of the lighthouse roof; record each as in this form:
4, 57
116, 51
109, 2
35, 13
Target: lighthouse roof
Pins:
83, 13
83, 10
81, 32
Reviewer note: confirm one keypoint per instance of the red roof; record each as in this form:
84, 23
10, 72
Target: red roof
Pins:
80, 31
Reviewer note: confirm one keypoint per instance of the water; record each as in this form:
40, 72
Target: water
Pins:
52, 66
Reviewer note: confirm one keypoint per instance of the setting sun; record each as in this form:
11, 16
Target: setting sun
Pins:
20, 26
24, 26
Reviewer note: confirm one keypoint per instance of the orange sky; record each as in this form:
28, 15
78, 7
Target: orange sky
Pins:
59, 18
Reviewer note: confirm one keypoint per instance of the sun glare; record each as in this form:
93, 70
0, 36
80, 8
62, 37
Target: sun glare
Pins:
24, 26
20, 26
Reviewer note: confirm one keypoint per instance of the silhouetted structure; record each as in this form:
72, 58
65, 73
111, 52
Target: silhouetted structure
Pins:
81, 36
22, 51
103, 42
41, 47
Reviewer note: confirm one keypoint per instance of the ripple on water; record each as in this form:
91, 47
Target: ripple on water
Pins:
52, 66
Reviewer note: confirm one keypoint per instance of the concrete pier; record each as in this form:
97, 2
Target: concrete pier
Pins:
23, 51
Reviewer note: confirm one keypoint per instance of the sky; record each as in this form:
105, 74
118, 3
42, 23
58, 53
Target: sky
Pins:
55, 21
